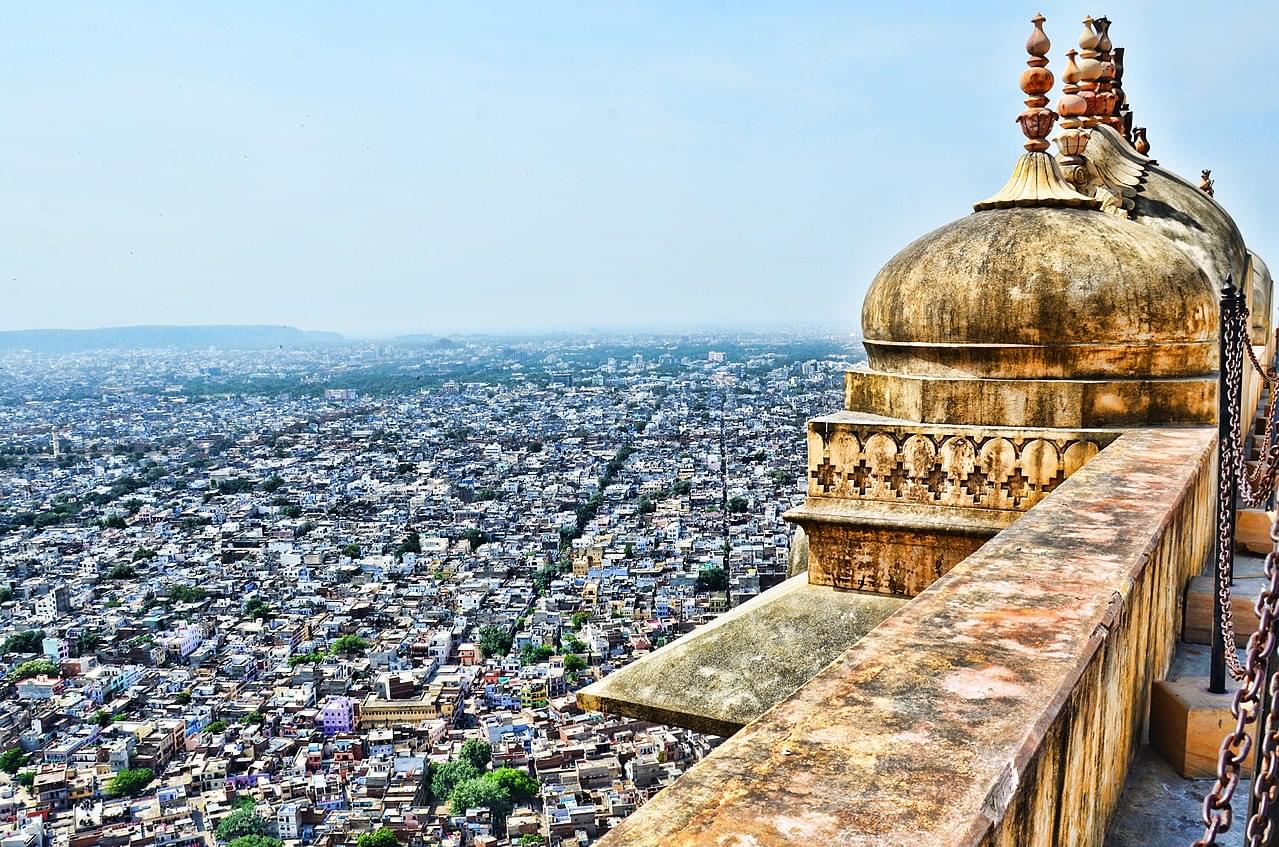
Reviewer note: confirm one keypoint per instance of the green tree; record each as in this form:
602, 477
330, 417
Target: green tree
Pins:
494, 642
478, 753
445, 777
253, 718
737, 505
531, 654
27, 779
517, 783
531, 839
12, 760
412, 543
349, 645
272, 484
580, 618
475, 538
712, 578
35, 667
481, 792
182, 698
114, 521
143, 554
240, 823
574, 663
122, 571
351, 551
258, 609
102, 717
380, 837
216, 727
255, 841
573, 644
188, 593
130, 782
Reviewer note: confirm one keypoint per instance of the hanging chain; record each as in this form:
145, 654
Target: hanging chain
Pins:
1253, 488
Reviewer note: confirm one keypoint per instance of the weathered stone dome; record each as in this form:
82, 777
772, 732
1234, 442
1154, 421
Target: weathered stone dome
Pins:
1042, 293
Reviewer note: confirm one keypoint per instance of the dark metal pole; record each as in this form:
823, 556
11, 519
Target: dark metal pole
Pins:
1225, 491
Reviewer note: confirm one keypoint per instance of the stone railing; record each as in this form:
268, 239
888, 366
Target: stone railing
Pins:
1001, 706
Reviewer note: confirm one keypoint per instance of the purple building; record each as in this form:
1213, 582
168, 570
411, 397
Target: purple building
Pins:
337, 714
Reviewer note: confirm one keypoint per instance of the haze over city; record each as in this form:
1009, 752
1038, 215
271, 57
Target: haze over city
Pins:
405, 168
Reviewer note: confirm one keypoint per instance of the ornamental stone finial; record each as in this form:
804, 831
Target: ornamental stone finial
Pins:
1106, 99
1089, 72
1139, 141
1072, 140
1037, 180
1036, 81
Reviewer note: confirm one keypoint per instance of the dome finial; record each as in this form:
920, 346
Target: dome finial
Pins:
1089, 72
1072, 140
1036, 81
1106, 97
1037, 180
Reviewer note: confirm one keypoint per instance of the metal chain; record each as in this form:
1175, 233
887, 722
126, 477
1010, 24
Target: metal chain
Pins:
1237, 745
1232, 386
1245, 706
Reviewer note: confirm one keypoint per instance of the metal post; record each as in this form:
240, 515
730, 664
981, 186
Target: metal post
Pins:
1225, 491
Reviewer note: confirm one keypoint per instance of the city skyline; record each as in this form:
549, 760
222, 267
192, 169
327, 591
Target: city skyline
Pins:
458, 171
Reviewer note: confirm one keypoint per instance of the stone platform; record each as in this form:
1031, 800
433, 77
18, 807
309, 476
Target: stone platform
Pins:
727, 673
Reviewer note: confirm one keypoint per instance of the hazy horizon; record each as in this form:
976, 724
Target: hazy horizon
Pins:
478, 170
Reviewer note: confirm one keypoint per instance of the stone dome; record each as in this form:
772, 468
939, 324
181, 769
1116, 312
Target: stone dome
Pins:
1042, 293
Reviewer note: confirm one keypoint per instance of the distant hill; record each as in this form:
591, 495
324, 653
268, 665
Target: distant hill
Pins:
246, 337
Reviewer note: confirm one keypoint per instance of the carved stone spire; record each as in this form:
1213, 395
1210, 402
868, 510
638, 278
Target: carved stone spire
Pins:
1089, 72
1037, 179
1072, 140
1106, 99
1036, 81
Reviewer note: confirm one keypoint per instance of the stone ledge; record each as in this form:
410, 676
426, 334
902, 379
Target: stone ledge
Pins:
727, 673
1001, 706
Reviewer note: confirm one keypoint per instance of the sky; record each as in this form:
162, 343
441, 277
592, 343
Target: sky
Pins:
386, 168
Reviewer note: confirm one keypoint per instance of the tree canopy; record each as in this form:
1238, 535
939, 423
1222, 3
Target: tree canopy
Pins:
380, 837
241, 823
445, 777
35, 667
12, 760
130, 782
481, 792
478, 753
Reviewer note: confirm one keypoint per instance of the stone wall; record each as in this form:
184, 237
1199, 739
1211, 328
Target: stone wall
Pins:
1000, 706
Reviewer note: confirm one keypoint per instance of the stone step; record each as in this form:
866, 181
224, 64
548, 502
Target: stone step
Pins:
1252, 530
1197, 628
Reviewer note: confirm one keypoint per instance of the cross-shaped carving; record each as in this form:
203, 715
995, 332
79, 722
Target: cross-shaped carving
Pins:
1017, 486
897, 476
825, 475
860, 477
937, 482
1057, 480
975, 484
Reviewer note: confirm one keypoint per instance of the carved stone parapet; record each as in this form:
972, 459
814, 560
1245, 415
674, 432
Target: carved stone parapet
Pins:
862, 458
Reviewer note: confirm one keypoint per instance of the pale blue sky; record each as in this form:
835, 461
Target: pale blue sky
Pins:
385, 167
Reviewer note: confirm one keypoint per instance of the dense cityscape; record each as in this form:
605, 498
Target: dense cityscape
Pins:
339, 593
